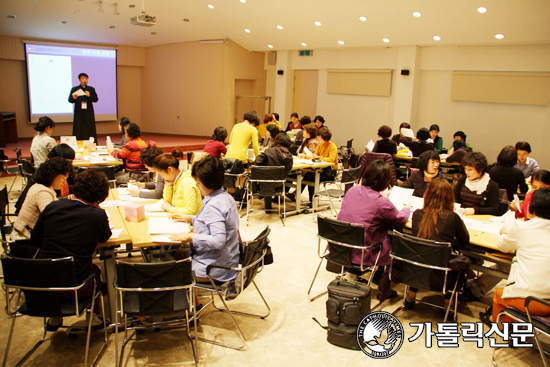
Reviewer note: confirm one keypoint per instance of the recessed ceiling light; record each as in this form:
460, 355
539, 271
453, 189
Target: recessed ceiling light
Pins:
417, 14
280, 26
211, 6
386, 39
63, 22
153, 33
11, 16
243, 1
482, 9
317, 23
185, 19
363, 19
304, 44
437, 38
131, 6
247, 30
499, 36
112, 26
270, 46
340, 42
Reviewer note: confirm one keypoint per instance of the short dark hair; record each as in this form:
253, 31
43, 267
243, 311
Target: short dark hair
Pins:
43, 123
62, 150
282, 139
523, 145
269, 117
377, 175
508, 156
434, 127
132, 130
91, 186
276, 116
425, 158
457, 144
294, 114
123, 122
324, 133
384, 131
540, 203
405, 125
541, 175
305, 120
320, 118
50, 169
81, 75
220, 133
461, 134
209, 171
149, 154
163, 161
476, 160
252, 117
273, 130
423, 134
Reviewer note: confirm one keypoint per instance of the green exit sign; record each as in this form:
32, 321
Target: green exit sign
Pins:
306, 53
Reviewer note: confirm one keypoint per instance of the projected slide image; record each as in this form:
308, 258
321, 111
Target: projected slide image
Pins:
46, 96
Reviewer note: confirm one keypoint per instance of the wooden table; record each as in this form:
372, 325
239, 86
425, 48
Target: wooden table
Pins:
83, 160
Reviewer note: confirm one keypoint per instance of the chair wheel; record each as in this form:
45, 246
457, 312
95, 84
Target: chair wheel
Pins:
72, 336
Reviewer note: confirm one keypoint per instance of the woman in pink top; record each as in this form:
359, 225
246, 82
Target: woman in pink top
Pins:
215, 146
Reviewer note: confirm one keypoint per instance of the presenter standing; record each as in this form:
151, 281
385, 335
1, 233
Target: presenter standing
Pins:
84, 119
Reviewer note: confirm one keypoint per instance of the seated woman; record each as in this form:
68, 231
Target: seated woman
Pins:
437, 221
460, 150
365, 204
385, 145
74, 227
328, 152
428, 169
277, 155
438, 140
215, 237
215, 146
147, 156
530, 272
319, 122
181, 194
268, 119
66, 152
506, 175
420, 145
178, 154
271, 132
310, 140
50, 176
121, 125
527, 165
459, 135
540, 179
42, 143
132, 149
475, 191
398, 138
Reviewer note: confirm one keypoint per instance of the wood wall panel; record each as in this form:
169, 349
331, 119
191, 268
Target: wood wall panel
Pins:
11, 48
130, 56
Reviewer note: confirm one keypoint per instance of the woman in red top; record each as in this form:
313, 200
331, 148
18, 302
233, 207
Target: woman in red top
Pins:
539, 180
215, 146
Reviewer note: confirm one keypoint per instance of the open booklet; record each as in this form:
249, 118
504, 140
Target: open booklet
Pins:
159, 225
400, 197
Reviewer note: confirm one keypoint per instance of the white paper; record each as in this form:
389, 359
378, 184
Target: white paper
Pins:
163, 239
80, 92
483, 226
70, 141
156, 207
518, 204
308, 152
113, 203
166, 226
407, 132
401, 197
370, 145
509, 219
99, 160
97, 154
457, 208
116, 233
109, 144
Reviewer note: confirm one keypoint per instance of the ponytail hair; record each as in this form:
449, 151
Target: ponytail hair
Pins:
163, 161
178, 154
43, 123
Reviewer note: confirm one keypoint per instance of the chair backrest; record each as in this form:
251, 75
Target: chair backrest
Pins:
37, 277
4, 201
369, 157
108, 170
420, 258
351, 175
27, 168
154, 284
342, 237
251, 254
267, 180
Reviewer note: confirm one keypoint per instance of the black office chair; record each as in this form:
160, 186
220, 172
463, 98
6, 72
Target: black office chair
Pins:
420, 258
253, 256
42, 282
155, 289
541, 325
344, 179
235, 179
266, 181
343, 238
108, 170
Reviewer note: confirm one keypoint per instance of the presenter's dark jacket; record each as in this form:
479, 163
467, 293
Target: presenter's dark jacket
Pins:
71, 228
84, 119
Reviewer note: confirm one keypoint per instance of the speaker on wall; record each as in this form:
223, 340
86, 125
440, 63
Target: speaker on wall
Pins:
404, 72
280, 72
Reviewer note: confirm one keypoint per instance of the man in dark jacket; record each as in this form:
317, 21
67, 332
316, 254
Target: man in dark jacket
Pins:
277, 155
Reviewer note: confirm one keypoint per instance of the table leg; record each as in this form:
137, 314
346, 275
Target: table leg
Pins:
299, 190
109, 268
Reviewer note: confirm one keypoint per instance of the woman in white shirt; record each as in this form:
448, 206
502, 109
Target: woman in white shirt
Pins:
42, 143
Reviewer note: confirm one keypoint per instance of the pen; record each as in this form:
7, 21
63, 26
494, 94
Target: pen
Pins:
477, 234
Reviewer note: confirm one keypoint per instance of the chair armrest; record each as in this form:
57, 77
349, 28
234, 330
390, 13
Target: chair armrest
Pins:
85, 281
227, 267
530, 299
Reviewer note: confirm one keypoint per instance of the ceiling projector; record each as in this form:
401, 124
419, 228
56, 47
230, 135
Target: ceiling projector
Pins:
143, 20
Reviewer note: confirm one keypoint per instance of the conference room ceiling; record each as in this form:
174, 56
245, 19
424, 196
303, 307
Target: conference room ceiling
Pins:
456, 22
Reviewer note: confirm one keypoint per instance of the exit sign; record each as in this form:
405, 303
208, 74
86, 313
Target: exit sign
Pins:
306, 53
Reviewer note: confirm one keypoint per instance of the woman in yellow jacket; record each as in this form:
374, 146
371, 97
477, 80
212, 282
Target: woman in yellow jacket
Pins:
181, 194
